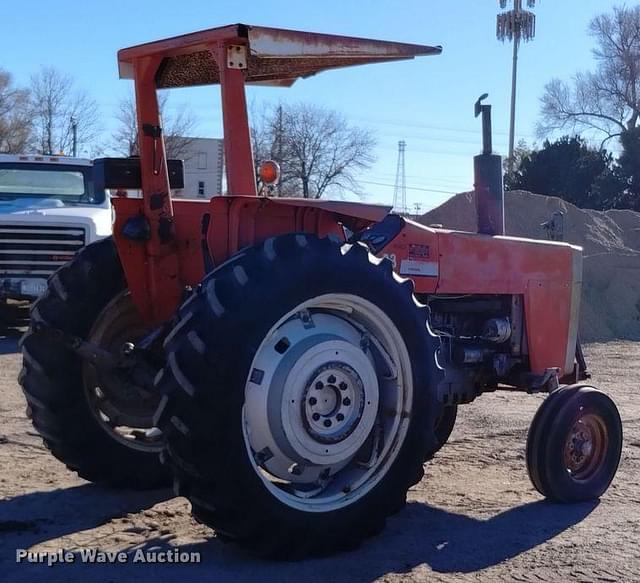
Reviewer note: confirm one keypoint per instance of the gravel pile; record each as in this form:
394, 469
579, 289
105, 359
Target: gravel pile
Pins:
611, 243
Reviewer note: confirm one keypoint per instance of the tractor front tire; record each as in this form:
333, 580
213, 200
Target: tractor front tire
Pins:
299, 397
86, 297
574, 444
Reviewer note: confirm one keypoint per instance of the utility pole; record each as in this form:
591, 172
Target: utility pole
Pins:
74, 134
400, 188
515, 25
417, 207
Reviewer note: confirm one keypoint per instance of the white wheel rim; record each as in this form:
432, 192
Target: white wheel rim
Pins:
327, 402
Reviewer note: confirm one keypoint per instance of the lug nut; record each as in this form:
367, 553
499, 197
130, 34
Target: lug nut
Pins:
331, 379
342, 386
128, 348
346, 401
340, 417
319, 386
315, 416
327, 423
313, 401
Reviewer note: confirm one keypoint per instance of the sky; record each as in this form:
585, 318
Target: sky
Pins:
427, 102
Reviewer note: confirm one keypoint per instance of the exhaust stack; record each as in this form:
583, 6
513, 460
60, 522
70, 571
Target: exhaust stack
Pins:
489, 188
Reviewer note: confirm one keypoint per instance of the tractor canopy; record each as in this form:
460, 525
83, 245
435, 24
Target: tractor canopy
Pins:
268, 56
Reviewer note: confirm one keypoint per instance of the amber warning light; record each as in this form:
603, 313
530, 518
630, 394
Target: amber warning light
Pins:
269, 172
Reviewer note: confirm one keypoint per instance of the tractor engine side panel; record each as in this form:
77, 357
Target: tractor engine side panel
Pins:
546, 274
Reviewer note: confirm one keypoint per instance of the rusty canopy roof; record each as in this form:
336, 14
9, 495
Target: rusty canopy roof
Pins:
275, 56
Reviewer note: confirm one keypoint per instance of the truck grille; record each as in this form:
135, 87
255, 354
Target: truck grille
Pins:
29, 250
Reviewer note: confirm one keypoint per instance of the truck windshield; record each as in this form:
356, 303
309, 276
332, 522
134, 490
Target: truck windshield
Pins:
65, 182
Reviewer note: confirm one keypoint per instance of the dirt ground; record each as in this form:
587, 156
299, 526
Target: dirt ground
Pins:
475, 516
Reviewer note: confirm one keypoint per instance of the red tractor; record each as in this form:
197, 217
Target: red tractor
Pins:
293, 363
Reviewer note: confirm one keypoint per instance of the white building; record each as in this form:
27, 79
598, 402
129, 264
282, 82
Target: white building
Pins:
203, 169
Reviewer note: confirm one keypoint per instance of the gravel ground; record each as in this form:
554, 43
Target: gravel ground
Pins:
474, 517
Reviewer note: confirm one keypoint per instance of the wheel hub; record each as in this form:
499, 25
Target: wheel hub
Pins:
333, 402
585, 446
311, 407
581, 446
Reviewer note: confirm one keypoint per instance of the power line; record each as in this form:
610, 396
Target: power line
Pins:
431, 180
424, 181
431, 138
465, 155
418, 124
409, 187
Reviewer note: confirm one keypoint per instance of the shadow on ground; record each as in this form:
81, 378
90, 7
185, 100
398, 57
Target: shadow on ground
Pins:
41, 516
446, 542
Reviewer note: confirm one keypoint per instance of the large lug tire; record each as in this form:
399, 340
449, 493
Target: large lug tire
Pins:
574, 444
445, 422
291, 407
87, 298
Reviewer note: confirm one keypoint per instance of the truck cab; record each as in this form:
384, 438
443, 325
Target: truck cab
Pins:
49, 210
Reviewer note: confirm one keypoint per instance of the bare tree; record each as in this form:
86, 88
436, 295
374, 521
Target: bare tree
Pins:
15, 121
606, 101
177, 128
56, 105
317, 149
270, 142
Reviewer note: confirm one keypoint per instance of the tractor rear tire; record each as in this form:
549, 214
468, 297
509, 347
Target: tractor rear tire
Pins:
276, 430
88, 290
445, 423
574, 444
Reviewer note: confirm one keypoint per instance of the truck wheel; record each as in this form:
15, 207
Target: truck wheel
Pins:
299, 397
445, 422
574, 444
98, 423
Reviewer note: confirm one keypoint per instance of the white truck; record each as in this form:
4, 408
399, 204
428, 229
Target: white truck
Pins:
49, 209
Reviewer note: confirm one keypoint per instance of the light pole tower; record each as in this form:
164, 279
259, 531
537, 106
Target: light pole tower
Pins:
74, 136
400, 189
515, 25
